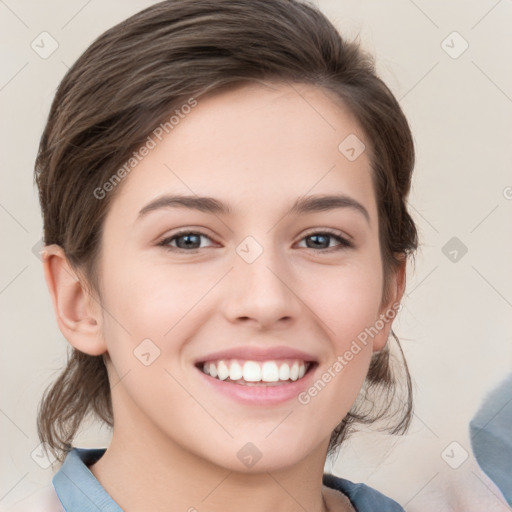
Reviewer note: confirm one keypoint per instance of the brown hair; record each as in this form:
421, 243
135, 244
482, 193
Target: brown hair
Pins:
128, 82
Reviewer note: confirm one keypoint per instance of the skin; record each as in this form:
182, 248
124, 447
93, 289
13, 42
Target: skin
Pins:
175, 441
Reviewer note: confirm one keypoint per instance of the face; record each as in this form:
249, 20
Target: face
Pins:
244, 278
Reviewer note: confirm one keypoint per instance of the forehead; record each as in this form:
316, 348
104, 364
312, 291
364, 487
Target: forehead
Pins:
258, 144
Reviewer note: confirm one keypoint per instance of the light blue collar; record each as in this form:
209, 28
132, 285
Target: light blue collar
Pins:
77, 488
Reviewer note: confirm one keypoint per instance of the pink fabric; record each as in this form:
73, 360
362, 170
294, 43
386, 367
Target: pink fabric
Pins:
42, 500
466, 489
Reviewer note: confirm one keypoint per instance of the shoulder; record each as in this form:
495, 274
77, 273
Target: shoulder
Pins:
42, 500
363, 497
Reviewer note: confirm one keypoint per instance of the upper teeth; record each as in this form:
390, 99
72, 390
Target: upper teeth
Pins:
255, 371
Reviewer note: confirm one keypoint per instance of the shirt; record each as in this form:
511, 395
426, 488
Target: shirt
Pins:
491, 436
76, 489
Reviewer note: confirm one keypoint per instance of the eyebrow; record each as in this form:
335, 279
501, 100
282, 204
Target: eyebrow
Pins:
305, 204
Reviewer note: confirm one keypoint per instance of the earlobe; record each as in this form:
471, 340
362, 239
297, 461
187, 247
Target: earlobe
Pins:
390, 310
78, 314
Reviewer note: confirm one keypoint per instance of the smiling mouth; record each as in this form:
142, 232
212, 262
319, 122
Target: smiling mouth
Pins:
257, 373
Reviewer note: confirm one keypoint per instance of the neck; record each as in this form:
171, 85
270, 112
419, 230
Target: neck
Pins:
161, 476
145, 469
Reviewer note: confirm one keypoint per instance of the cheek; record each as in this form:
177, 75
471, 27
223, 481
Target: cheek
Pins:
143, 309
149, 300
347, 300
152, 311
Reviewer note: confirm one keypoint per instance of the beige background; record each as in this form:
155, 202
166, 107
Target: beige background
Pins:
456, 323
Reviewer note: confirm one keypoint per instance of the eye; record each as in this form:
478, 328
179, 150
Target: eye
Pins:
188, 241
321, 240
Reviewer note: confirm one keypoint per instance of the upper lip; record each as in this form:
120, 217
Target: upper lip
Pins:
258, 354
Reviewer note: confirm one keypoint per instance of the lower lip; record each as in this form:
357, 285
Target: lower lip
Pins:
260, 394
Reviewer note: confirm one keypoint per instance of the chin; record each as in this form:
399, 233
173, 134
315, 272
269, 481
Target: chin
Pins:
263, 455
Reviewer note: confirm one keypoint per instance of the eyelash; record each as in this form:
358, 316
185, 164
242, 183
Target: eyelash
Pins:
343, 242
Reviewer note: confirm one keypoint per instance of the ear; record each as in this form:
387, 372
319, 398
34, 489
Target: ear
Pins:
78, 313
390, 308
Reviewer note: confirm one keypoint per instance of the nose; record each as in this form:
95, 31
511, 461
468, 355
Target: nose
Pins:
262, 292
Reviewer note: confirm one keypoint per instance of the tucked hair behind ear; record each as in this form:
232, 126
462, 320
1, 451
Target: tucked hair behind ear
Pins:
128, 82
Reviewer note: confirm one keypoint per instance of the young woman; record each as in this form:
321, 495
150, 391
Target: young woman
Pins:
223, 186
